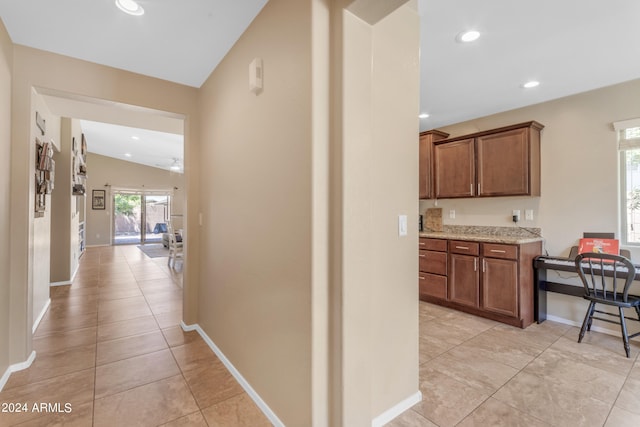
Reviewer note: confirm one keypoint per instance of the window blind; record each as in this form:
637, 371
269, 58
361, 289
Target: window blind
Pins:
628, 134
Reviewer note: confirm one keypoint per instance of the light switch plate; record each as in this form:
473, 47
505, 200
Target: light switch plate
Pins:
402, 225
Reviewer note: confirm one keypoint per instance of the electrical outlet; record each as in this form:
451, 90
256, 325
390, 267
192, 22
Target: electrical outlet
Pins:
528, 214
452, 213
516, 215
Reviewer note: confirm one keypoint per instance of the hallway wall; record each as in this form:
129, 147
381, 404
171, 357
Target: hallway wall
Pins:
6, 60
33, 68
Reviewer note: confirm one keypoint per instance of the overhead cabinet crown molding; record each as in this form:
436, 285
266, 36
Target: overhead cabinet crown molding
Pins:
497, 162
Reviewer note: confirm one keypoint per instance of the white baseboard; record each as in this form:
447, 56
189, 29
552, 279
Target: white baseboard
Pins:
15, 368
396, 410
40, 316
236, 374
63, 283
595, 328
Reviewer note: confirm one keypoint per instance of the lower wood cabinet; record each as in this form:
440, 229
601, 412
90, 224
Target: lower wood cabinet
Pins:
492, 280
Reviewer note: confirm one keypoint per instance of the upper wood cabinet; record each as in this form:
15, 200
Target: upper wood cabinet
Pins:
498, 162
426, 160
455, 170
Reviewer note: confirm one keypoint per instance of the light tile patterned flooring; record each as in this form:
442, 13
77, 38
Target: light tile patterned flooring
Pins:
111, 347
477, 372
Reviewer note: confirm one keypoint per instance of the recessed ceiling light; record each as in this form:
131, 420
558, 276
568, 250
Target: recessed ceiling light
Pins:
175, 168
530, 84
423, 116
467, 36
130, 7
127, 154
135, 137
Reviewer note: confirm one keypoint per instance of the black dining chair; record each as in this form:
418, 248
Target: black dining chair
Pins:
596, 270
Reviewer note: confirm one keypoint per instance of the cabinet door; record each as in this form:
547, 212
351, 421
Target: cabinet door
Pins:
454, 169
503, 163
464, 279
500, 286
426, 161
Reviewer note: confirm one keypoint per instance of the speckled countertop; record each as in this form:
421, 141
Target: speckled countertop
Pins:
508, 235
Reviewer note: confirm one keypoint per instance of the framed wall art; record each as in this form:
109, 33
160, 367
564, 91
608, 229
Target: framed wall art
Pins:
98, 199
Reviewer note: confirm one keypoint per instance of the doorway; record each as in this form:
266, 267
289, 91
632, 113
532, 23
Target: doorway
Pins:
140, 218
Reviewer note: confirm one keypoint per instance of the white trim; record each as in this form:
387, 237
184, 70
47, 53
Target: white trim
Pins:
236, 374
98, 246
63, 283
626, 124
595, 328
397, 409
36, 323
15, 368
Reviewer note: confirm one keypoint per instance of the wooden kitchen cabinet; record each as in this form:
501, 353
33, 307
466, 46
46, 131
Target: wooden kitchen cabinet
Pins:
506, 164
500, 286
426, 161
464, 275
492, 280
432, 277
454, 164
498, 162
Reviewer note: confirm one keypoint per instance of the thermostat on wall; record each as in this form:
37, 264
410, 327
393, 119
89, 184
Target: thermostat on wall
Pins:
255, 75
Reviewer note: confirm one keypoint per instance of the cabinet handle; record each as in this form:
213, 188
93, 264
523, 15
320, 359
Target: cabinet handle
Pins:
421, 277
462, 247
484, 264
421, 255
498, 251
478, 189
475, 264
471, 188
422, 243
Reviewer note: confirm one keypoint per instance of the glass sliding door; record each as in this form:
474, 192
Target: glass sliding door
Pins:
140, 218
156, 217
127, 218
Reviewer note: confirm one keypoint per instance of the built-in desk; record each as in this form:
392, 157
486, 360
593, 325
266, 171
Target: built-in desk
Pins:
541, 265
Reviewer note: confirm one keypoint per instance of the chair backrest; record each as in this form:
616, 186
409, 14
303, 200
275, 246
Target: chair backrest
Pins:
593, 269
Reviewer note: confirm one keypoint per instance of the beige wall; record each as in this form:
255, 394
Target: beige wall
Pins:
377, 148
579, 174
120, 174
42, 226
6, 58
255, 303
394, 166
266, 212
65, 216
58, 74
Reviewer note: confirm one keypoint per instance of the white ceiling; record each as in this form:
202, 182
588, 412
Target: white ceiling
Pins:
570, 46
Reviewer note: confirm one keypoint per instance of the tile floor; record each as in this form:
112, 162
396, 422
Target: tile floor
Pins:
476, 372
111, 347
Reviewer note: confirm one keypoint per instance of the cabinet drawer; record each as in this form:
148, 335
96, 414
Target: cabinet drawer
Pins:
433, 262
496, 250
433, 244
463, 247
433, 285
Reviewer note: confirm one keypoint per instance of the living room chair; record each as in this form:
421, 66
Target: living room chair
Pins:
595, 271
175, 247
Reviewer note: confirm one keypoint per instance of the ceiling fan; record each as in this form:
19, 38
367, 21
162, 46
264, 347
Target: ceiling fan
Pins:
175, 165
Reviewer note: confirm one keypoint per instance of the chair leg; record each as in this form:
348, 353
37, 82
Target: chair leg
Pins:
623, 326
587, 320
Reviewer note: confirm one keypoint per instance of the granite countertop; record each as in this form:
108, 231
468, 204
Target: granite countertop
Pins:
508, 235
